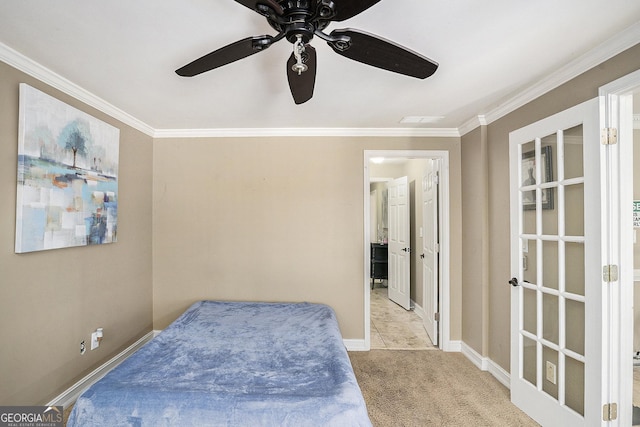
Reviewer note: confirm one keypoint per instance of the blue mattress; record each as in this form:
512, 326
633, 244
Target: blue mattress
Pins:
233, 364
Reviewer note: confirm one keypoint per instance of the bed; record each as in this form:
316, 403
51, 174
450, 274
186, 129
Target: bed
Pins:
233, 364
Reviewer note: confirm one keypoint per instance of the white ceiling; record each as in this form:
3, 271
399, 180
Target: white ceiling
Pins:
125, 53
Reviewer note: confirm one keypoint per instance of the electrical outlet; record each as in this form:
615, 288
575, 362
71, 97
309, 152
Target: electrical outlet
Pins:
95, 342
83, 348
551, 372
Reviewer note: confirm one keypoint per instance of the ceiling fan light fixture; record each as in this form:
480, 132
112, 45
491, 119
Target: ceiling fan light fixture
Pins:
298, 51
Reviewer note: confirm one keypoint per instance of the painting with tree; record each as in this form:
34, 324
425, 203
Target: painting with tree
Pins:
67, 192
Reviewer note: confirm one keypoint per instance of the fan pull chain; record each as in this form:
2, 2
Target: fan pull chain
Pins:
298, 49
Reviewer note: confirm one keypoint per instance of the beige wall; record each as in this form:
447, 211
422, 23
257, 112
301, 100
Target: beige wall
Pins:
275, 219
579, 89
474, 202
51, 300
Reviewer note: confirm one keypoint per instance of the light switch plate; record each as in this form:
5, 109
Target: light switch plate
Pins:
94, 341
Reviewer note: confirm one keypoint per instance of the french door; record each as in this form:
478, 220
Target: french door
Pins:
558, 287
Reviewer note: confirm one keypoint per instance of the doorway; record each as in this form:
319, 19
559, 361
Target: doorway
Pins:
443, 261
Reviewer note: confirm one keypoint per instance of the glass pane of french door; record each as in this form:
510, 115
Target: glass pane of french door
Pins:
551, 198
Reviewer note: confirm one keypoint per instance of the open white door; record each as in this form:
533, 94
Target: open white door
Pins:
399, 248
557, 259
429, 253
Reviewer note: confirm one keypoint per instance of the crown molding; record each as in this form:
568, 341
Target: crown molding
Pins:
307, 132
45, 75
617, 44
472, 123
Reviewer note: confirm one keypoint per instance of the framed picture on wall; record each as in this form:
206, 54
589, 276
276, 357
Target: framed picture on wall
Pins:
529, 172
67, 193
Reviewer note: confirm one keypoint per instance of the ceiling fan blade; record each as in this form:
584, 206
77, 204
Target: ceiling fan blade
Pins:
226, 55
254, 4
378, 52
346, 9
302, 84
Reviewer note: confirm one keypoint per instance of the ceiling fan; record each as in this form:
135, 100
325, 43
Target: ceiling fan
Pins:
298, 21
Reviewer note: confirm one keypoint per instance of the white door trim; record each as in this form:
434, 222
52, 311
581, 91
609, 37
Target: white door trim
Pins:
445, 244
617, 111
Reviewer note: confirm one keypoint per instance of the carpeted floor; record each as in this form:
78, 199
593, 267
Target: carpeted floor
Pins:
432, 388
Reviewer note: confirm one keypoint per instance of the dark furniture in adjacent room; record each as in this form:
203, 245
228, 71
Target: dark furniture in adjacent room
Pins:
379, 262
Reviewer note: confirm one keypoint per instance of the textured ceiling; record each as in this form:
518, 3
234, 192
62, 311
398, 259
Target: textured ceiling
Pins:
125, 52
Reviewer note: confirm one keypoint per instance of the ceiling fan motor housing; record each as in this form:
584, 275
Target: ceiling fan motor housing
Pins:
302, 18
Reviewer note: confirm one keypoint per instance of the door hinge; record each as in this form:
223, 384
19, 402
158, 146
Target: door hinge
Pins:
436, 178
610, 273
609, 136
610, 412
436, 247
436, 317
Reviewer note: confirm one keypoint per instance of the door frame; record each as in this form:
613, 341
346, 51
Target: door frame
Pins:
445, 241
616, 111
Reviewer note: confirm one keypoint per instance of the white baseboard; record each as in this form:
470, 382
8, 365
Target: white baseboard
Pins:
500, 374
69, 396
486, 364
355, 345
452, 346
474, 357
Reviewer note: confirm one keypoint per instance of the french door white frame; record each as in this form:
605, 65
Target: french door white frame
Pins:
444, 262
616, 111
531, 398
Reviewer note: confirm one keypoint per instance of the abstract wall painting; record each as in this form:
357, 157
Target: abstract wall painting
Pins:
67, 191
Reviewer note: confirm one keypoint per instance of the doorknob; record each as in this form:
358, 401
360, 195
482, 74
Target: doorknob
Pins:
513, 281
406, 249
422, 256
